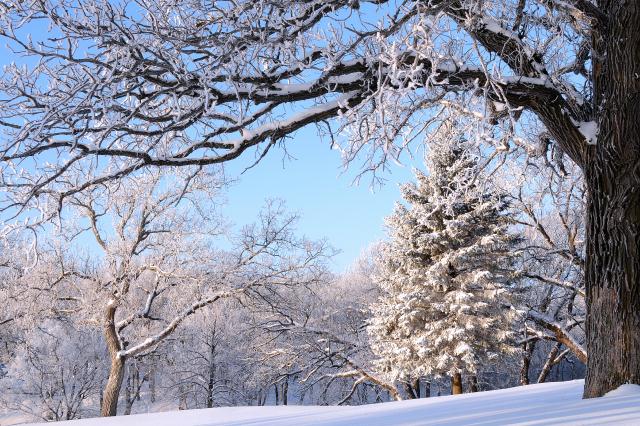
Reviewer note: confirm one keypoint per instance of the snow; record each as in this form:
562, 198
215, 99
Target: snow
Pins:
624, 390
590, 131
549, 404
340, 102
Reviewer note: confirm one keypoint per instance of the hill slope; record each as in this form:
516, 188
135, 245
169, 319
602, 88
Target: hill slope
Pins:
548, 404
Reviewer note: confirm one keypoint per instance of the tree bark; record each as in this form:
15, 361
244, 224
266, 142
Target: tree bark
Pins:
212, 371
550, 362
527, 351
285, 391
416, 387
612, 173
473, 383
277, 391
128, 398
408, 390
152, 384
182, 398
116, 371
456, 384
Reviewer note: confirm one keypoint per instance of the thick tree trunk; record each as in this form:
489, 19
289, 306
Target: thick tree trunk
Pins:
456, 384
112, 389
116, 372
612, 171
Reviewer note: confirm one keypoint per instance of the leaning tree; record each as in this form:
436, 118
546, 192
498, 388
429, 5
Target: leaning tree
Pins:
102, 89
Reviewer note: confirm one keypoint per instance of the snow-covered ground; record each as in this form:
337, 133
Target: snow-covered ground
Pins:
544, 404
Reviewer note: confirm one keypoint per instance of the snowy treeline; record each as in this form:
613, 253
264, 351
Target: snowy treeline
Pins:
167, 310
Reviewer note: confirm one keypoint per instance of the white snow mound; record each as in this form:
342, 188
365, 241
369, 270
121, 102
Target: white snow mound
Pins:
545, 404
625, 390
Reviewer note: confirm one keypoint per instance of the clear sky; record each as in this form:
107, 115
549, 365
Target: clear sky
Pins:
313, 184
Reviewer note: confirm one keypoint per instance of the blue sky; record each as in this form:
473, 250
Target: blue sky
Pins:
313, 184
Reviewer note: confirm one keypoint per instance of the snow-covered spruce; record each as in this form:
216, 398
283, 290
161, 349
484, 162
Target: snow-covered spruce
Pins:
446, 273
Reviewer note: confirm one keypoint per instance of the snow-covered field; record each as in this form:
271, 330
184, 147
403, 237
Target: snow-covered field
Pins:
545, 404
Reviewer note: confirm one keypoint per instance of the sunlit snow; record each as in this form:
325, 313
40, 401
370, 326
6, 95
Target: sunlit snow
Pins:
557, 403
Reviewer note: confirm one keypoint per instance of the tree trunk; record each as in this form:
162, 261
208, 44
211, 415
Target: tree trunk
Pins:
182, 398
473, 383
416, 387
527, 351
285, 391
128, 398
211, 383
550, 362
408, 390
211, 380
612, 171
456, 384
152, 384
112, 389
210, 388
116, 372
277, 390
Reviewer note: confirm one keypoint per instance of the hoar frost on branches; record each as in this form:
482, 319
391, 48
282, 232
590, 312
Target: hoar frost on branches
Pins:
114, 87
446, 274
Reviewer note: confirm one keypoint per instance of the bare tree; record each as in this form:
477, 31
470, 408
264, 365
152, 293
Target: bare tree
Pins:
318, 334
552, 221
158, 268
211, 362
56, 372
117, 88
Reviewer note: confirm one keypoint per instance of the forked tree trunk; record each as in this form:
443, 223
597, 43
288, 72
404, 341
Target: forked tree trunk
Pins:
612, 172
456, 384
116, 371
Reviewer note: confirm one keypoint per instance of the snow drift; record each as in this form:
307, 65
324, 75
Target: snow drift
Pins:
544, 404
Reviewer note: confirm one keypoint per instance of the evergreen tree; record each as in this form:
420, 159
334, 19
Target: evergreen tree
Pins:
446, 274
